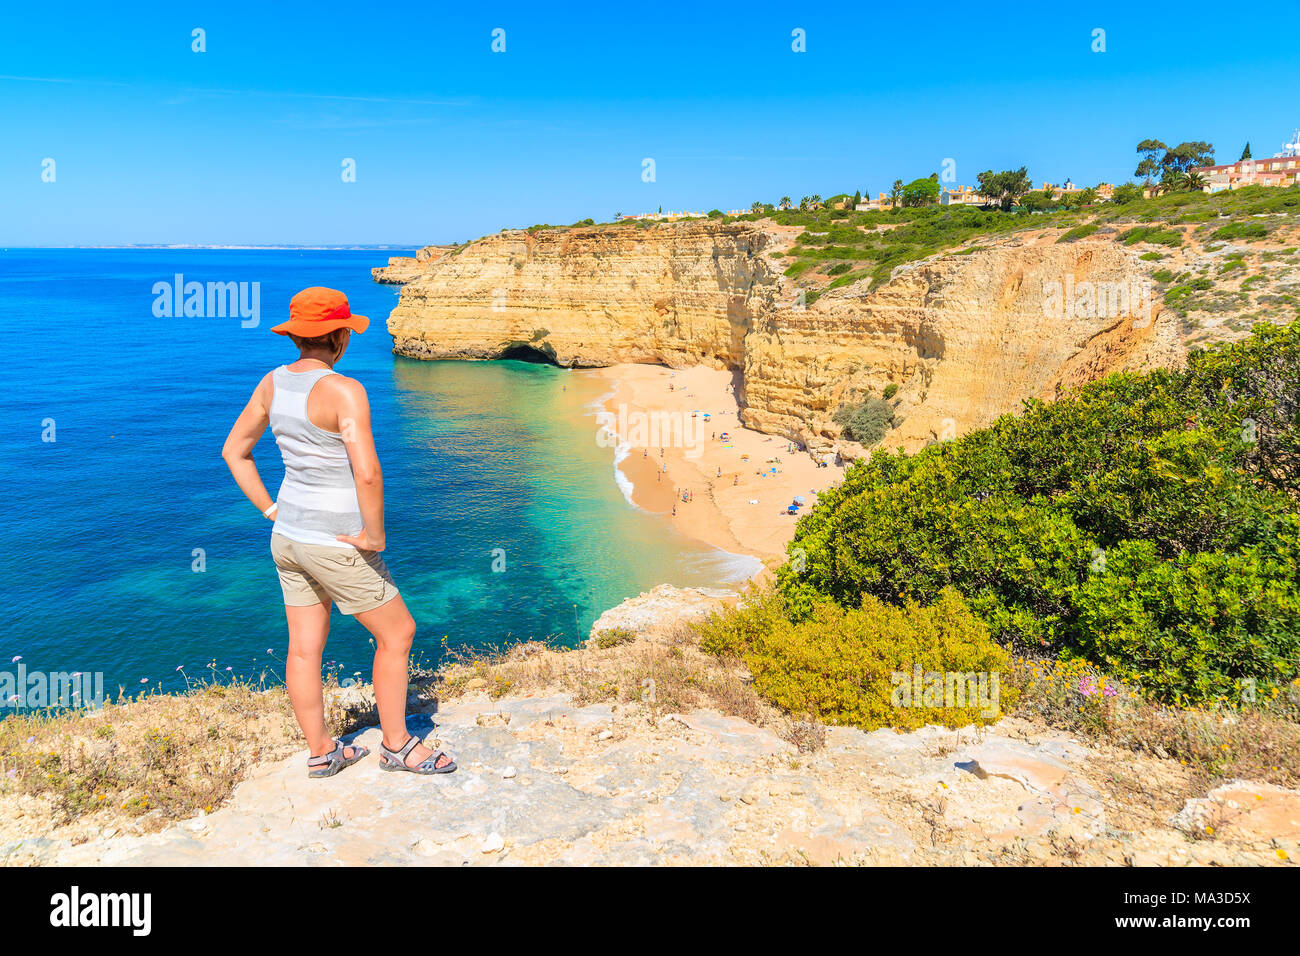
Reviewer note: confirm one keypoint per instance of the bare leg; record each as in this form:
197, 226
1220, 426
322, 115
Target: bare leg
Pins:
394, 630
308, 629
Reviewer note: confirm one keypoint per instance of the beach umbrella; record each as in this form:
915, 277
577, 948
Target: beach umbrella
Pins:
800, 499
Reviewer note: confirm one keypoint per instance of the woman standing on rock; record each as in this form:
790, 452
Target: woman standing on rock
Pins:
329, 529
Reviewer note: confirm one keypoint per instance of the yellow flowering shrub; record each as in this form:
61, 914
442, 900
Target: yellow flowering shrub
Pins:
879, 665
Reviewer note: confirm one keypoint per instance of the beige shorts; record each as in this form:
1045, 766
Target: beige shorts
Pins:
357, 581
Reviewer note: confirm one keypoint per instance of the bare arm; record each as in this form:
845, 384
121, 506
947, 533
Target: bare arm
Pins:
354, 426
244, 435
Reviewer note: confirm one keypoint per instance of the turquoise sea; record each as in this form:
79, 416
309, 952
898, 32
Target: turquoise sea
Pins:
107, 522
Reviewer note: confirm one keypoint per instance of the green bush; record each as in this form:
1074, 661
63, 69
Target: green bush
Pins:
898, 532
921, 192
1152, 234
1199, 466
1126, 193
1241, 230
891, 390
614, 637
859, 666
1079, 232
865, 423
1255, 383
1182, 296
1192, 629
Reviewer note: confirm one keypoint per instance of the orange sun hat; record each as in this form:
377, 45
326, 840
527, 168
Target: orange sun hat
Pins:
319, 310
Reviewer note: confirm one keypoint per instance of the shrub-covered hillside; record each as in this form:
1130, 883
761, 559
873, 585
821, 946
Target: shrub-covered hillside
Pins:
844, 246
1148, 523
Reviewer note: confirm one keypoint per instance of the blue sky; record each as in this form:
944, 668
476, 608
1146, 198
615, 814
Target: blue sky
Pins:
244, 143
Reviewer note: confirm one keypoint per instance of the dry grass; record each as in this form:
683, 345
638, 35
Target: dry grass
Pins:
1257, 741
1141, 792
667, 672
807, 736
141, 763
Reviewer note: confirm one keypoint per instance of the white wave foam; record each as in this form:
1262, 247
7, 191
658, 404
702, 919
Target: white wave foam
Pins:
606, 419
727, 566
598, 404
623, 481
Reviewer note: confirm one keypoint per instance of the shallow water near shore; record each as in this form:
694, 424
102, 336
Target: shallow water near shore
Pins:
485, 464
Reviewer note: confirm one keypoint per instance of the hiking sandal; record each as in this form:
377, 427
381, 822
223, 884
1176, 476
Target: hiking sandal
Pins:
396, 759
327, 765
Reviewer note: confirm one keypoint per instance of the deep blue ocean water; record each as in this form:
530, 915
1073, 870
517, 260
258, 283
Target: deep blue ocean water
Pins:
103, 522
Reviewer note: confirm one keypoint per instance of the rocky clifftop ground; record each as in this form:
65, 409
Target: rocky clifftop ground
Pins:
548, 775
545, 781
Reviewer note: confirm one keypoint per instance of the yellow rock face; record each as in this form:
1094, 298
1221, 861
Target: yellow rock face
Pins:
589, 297
964, 337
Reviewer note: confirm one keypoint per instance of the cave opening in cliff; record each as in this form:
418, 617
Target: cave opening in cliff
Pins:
521, 352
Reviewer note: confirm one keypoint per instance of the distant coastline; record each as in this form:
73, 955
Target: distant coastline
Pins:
230, 246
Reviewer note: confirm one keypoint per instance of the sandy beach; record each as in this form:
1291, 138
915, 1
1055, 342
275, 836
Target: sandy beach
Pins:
734, 500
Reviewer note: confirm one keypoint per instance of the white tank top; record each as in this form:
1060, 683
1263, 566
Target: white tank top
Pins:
318, 497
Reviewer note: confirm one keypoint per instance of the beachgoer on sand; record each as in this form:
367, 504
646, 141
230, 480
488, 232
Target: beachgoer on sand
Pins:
329, 529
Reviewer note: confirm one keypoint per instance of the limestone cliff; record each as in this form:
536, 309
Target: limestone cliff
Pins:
401, 269
597, 296
964, 337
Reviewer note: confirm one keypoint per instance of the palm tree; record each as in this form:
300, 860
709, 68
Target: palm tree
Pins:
756, 207
803, 204
895, 192
1174, 180
785, 202
815, 201
1194, 182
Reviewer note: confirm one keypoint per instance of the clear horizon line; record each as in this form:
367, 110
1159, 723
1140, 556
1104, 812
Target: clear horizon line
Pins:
224, 245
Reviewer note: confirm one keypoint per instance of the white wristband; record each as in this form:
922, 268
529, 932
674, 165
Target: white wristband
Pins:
267, 512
